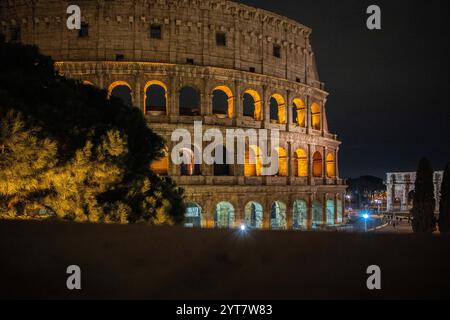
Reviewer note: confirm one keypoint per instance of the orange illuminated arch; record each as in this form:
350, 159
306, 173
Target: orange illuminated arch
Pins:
161, 165
87, 83
301, 163
230, 97
253, 163
317, 165
155, 83
316, 115
300, 109
282, 162
281, 107
330, 166
257, 103
115, 84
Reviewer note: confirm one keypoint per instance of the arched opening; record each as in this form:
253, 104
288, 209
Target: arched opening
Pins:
299, 113
222, 102
301, 163
252, 105
317, 215
253, 161
221, 168
224, 215
330, 166
339, 210
278, 216
300, 215
277, 109
189, 102
317, 165
193, 215
161, 166
188, 166
397, 205
316, 117
155, 98
282, 162
122, 91
330, 212
254, 215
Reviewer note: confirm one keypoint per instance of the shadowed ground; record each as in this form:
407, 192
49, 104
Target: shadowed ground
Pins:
175, 263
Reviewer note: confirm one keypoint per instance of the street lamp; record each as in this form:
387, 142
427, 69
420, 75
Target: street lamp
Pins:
365, 216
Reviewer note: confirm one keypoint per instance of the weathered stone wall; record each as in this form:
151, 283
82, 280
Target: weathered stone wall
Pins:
189, 32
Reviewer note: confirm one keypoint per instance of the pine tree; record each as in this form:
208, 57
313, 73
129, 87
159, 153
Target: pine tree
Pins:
423, 219
69, 150
444, 204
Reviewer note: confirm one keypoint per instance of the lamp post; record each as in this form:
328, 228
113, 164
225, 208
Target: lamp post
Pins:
365, 216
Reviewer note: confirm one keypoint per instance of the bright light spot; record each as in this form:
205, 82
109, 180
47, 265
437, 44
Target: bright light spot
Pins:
365, 216
243, 227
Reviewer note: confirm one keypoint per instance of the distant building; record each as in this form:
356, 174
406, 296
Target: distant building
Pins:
400, 190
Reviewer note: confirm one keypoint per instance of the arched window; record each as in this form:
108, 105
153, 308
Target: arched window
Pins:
330, 212
299, 113
317, 165
193, 215
188, 166
254, 215
155, 98
121, 90
278, 216
282, 162
301, 163
253, 161
252, 104
222, 102
224, 215
316, 117
221, 168
161, 166
317, 214
277, 109
300, 215
189, 102
330, 166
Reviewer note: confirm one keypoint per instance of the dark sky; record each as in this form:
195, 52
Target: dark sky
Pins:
389, 90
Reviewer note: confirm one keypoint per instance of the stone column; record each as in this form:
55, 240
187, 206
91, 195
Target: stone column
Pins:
324, 164
310, 165
291, 162
308, 114
336, 163
173, 97
324, 208
137, 94
289, 104
265, 105
309, 211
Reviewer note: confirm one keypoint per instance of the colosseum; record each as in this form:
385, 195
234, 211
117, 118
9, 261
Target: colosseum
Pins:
225, 64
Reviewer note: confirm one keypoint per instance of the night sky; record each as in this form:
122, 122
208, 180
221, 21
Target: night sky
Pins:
389, 89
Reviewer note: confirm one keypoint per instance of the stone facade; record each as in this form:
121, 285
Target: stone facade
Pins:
208, 46
400, 187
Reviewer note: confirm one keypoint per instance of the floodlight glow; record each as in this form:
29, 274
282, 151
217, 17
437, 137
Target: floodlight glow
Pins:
243, 227
365, 216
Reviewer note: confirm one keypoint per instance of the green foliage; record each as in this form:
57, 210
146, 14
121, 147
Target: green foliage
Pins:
68, 150
423, 219
444, 204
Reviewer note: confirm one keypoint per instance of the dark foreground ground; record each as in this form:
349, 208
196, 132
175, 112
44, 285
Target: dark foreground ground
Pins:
175, 263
